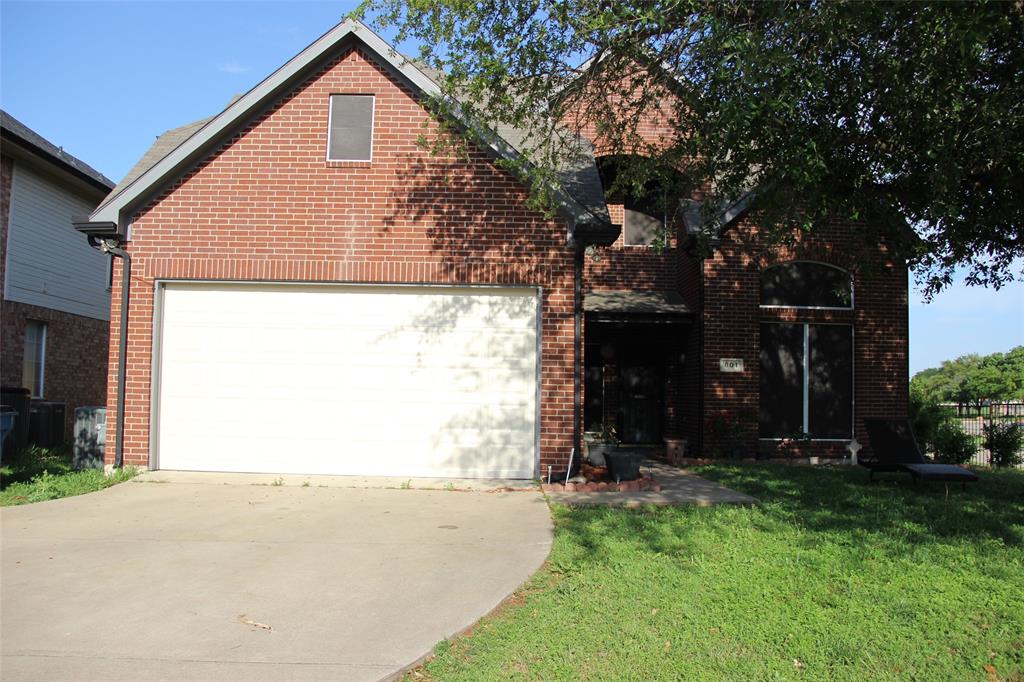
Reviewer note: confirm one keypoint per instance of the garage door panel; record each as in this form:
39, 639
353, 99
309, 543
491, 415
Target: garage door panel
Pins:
353, 380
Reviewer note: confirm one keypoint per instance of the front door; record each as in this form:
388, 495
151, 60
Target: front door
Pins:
642, 404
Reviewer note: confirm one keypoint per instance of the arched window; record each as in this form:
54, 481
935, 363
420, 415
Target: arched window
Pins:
806, 284
806, 366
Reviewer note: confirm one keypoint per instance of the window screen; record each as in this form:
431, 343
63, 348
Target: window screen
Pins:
34, 357
815, 398
782, 380
350, 137
806, 285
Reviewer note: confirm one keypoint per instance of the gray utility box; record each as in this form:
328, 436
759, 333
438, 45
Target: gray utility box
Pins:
90, 437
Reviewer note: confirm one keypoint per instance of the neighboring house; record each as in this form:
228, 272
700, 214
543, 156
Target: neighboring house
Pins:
55, 288
314, 292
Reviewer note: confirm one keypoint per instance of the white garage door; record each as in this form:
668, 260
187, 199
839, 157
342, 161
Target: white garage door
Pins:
380, 381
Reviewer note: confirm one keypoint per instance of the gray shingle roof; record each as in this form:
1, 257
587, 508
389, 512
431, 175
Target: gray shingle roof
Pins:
14, 127
577, 171
635, 302
164, 145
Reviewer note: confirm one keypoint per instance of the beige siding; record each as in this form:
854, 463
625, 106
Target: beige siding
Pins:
49, 264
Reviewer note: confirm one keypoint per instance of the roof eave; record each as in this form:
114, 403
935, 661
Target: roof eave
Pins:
12, 137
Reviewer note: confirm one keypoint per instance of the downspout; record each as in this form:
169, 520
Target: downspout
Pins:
584, 234
699, 450
108, 246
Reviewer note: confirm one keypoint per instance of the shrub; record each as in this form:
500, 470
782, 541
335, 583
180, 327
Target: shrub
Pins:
951, 445
725, 434
1004, 440
926, 417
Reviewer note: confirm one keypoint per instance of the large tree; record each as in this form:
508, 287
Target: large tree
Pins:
872, 112
973, 379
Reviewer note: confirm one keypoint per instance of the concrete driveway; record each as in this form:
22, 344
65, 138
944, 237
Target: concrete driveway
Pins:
214, 581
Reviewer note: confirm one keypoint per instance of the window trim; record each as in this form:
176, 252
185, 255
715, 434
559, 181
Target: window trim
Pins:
42, 357
805, 418
775, 306
330, 118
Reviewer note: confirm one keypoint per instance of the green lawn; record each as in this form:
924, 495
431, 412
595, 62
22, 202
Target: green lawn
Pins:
38, 474
831, 578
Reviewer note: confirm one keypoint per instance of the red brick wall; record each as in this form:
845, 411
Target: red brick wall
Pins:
75, 370
732, 317
620, 267
266, 206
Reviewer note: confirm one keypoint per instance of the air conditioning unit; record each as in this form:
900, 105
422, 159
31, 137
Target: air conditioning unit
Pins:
90, 437
46, 424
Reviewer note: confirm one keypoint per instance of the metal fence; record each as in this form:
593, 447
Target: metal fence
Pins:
973, 417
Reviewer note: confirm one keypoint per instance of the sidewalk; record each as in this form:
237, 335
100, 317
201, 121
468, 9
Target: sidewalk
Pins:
678, 487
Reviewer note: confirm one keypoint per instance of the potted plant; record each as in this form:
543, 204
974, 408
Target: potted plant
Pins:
601, 443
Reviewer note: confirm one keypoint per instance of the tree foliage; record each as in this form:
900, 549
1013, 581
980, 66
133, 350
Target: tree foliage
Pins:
973, 379
874, 112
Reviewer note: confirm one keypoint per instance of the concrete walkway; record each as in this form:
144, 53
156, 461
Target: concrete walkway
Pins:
190, 581
678, 488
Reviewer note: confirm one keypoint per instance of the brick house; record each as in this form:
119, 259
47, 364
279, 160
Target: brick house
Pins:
55, 289
315, 292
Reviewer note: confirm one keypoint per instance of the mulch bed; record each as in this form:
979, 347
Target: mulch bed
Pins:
597, 481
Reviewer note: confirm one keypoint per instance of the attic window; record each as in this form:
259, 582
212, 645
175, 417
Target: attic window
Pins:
350, 132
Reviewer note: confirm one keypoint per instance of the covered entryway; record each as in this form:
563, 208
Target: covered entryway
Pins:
634, 355
346, 379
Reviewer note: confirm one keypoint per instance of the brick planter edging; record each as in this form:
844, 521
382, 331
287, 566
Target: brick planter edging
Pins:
794, 461
645, 484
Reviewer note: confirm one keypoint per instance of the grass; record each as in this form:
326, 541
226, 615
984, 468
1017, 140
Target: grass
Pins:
38, 474
829, 579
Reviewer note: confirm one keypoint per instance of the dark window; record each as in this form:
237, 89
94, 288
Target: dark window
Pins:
830, 380
350, 137
646, 202
804, 284
782, 380
34, 359
806, 381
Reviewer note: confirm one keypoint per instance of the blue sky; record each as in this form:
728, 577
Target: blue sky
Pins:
103, 79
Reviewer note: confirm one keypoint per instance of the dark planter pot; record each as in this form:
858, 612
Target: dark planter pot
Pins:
623, 465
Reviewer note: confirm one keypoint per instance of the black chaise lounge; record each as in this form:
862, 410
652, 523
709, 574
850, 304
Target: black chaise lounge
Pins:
895, 449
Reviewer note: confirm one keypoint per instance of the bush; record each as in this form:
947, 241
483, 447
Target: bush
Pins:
951, 445
1004, 440
926, 418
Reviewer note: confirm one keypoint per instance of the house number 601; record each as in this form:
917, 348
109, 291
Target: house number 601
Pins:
731, 364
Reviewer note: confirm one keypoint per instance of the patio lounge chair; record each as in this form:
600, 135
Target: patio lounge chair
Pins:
895, 449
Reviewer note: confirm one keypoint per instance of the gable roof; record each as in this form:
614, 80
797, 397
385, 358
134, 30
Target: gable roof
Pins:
14, 131
579, 199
